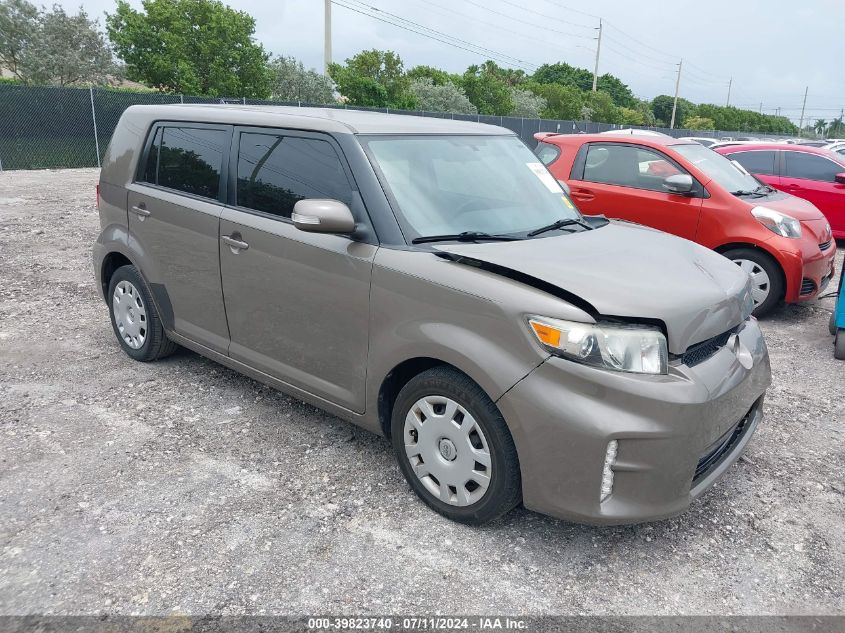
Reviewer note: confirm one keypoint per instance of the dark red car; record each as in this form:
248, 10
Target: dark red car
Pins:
812, 173
681, 187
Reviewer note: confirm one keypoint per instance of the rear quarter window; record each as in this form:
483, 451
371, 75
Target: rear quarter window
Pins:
547, 153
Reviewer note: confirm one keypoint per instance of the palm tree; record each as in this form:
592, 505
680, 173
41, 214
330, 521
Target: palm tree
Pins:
820, 127
837, 127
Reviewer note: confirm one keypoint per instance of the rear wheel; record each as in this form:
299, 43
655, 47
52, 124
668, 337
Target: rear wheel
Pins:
839, 344
767, 287
454, 447
134, 317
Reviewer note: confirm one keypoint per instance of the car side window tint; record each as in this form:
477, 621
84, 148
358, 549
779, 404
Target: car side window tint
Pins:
191, 159
811, 167
756, 162
547, 153
628, 166
151, 167
277, 171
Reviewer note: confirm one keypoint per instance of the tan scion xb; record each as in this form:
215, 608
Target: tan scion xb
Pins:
429, 280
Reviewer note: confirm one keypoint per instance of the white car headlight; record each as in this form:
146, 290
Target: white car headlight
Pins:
639, 349
777, 222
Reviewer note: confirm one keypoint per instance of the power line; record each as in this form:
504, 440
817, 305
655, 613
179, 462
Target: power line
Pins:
439, 36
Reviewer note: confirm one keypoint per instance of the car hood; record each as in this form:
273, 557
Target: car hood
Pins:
798, 208
629, 271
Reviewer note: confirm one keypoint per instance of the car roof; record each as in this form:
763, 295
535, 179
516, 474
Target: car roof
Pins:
782, 147
579, 139
340, 120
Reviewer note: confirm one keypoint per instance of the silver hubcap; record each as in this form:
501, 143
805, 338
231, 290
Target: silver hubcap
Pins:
760, 282
129, 314
447, 450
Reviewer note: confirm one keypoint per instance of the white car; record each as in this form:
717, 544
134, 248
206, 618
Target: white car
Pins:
707, 141
836, 146
633, 132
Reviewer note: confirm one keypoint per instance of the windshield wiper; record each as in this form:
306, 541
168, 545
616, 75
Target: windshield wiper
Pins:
766, 189
748, 192
560, 224
466, 236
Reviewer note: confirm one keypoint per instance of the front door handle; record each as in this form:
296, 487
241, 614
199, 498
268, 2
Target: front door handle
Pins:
234, 243
141, 211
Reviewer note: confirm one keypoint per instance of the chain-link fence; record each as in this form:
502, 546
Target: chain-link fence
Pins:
49, 127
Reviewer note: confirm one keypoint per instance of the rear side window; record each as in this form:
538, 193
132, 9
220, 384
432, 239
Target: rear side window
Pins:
276, 171
756, 162
547, 153
187, 159
811, 167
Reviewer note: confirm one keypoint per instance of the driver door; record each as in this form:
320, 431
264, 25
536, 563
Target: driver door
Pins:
625, 181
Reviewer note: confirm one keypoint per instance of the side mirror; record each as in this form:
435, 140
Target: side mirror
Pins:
840, 178
323, 216
678, 183
563, 185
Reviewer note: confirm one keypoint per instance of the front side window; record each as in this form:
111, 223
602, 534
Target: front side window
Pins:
717, 168
756, 162
627, 166
448, 184
811, 167
190, 159
276, 171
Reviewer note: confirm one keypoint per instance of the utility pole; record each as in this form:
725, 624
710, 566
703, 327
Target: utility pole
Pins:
761, 107
327, 36
803, 107
596, 69
677, 88
730, 82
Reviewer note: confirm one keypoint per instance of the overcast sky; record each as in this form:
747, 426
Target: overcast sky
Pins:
773, 49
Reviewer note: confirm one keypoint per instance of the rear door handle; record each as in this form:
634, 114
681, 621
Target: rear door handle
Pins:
141, 210
584, 196
235, 244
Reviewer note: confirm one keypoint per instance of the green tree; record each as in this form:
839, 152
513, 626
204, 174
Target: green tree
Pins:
52, 47
438, 77
581, 78
446, 97
488, 93
19, 25
820, 126
527, 104
602, 108
373, 78
699, 123
837, 127
290, 81
631, 116
562, 102
662, 108
190, 46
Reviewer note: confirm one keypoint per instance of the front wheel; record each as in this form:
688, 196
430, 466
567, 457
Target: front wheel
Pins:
839, 344
454, 447
767, 286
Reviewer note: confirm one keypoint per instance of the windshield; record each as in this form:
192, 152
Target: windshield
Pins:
717, 167
455, 184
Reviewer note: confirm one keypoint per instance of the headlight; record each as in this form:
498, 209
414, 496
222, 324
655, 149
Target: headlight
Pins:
634, 348
777, 222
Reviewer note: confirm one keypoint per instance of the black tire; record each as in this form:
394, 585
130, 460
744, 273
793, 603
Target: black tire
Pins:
504, 490
777, 288
831, 325
839, 344
156, 345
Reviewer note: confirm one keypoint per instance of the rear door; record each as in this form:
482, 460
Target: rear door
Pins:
174, 214
298, 303
761, 163
812, 177
626, 181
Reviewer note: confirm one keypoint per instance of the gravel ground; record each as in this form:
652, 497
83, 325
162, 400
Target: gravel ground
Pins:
183, 487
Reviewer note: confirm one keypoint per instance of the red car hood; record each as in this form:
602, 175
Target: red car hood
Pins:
798, 208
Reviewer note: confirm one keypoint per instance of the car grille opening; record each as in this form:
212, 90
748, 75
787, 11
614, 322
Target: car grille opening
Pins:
724, 445
825, 245
700, 352
808, 286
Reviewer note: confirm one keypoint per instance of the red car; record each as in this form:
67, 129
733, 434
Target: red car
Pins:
812, 173
681, 187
